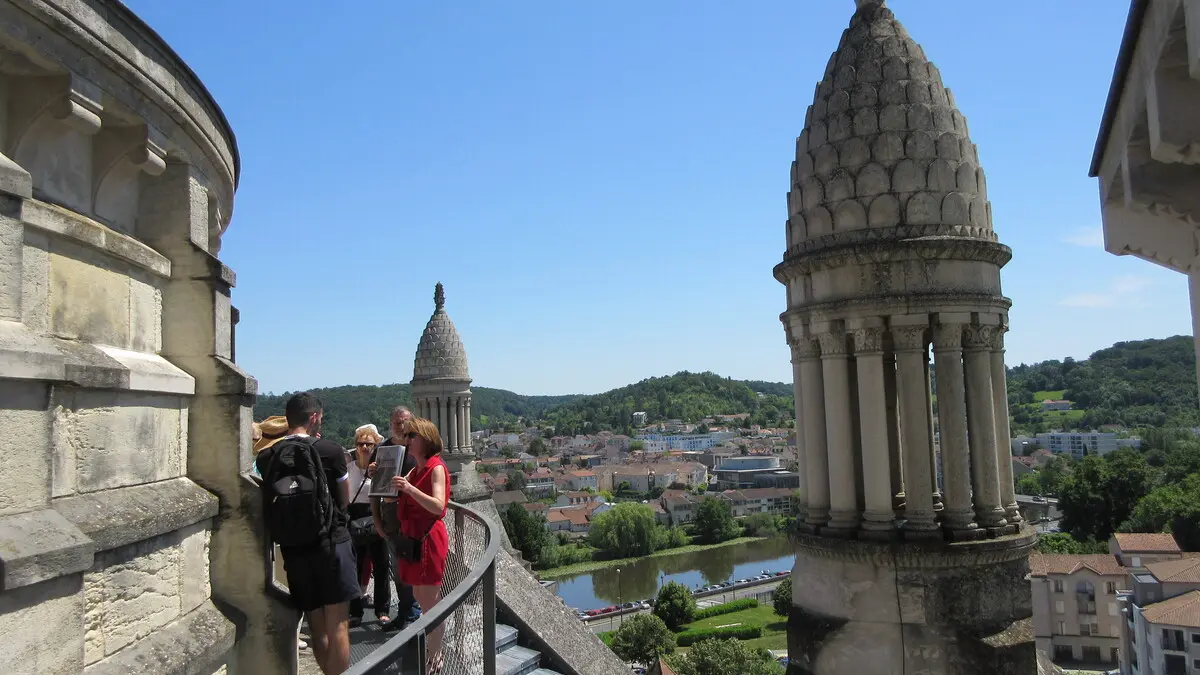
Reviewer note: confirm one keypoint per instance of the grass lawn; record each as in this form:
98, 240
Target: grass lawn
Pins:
592, 565
774, 627
1049, 395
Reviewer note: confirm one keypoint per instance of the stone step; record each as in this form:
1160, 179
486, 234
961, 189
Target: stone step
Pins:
544, 671
505, 636
517, 660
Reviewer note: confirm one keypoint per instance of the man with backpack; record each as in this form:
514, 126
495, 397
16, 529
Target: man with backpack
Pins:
305, 493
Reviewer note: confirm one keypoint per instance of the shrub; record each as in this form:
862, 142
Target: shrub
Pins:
782, 597
718, 610
687, 637
643, 638
675, 605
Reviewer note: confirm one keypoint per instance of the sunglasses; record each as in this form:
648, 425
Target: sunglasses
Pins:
411, 435
364, 444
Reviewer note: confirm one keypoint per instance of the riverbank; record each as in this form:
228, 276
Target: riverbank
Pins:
593, 565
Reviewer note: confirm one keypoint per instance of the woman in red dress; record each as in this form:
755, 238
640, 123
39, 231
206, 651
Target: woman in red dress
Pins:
424, 493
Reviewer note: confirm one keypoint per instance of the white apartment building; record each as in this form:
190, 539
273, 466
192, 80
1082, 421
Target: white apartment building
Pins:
1160, 632
1077, 444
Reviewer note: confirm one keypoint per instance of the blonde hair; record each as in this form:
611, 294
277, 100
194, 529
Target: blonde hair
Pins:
428, 432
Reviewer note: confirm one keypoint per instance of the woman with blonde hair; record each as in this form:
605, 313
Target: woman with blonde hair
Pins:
424, 493
369, 548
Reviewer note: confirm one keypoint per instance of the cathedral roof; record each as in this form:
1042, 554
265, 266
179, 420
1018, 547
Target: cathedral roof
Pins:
884, 146
440, 354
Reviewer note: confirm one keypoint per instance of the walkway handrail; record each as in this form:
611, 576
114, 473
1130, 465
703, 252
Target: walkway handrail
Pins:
483, 572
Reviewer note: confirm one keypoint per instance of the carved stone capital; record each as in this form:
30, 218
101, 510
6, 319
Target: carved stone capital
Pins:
868, 340
980, 338
948, 337
805, 348
833, 344
908, 338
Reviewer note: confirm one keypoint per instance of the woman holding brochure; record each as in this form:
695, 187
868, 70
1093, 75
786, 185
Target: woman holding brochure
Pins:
369, 548
424, 493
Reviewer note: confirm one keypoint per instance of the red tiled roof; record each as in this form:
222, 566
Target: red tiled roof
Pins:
509, 497
1104, 564
1181, 610
1186, 571
1146, 542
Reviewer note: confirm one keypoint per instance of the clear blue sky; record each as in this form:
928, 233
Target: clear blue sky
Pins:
600, 185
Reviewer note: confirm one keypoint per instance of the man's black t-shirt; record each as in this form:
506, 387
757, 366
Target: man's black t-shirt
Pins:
333, 461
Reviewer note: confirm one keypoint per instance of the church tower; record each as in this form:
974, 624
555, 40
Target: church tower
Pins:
441, 386
891, 260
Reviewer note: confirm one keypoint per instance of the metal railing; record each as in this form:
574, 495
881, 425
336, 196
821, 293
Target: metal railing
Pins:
467, 609
466, 613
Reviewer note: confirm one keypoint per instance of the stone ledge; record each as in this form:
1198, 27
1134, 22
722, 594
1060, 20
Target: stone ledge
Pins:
40, 545
25, 355
195, 644
121, 516
14, 179
65, 223
933, 553
104, 367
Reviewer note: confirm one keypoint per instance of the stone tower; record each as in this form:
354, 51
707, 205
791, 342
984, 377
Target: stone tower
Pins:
890, 251
441, 386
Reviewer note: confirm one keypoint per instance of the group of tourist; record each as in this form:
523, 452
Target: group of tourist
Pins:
335, 537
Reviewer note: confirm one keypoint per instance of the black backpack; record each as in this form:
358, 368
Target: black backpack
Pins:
297, 504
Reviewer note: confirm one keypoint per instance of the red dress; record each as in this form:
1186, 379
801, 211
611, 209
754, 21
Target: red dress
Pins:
416, 521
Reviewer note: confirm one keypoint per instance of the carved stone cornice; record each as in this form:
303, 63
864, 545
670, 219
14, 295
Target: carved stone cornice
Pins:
897, 233
832, 344
798, 262
868, 340
908, 338
877, 305
948, 337
932, 554
979, 337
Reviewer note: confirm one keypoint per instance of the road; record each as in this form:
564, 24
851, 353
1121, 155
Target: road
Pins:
607, 622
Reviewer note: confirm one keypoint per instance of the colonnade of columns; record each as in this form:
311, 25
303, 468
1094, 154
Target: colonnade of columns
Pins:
452, 415
864, 407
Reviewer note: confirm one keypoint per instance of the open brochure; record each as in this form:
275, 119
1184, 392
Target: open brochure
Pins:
388, 460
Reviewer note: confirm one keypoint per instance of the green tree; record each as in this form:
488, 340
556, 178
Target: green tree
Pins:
674, 537
626, 530
1170, 508
1029, 484
637, 446
760, 525
1052, 474
714, 521
643, 638
724, 657
538, 447
1061, 542
1100, 493
508, 452
675, 605
527, 532
782, 597
624, 488
516, 480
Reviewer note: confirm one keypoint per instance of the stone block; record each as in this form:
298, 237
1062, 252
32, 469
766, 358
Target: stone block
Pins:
150, 372
145, 315
88, 300
132, 592
42, 627
197, 643
124, 438
13, 179
26, 355
35, 281
12, 244
24, 446
194, 589
36, 546
120, 517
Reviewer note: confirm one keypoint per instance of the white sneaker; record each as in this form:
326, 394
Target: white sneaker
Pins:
303, 644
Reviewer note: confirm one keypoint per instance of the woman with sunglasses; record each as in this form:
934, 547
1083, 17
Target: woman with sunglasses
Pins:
370, 550
424, 493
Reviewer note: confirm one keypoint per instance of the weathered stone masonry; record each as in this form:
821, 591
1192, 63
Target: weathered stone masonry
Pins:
892, 267
127, 530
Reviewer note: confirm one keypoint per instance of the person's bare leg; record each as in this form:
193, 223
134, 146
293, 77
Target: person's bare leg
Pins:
320, 644
337, 638
427, 597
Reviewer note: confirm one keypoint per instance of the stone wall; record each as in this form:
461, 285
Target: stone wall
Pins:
128, 540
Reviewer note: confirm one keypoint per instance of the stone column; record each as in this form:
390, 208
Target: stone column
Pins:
981, 421
447, 418
452, 418
895, 458
801, 459
878, 513
1008, 491
909, 342
952, 413
807, 351
438, 409
937, 493
843, 493
467, 422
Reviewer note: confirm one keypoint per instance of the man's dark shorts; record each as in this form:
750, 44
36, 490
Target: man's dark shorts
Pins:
323, 575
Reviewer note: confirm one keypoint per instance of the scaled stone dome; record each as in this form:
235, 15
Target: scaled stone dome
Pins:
885, 152
440, 354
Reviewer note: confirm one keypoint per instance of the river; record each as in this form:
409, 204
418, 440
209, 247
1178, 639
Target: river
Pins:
641, 580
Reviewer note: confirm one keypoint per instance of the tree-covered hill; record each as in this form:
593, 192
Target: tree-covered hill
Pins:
1143, 383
